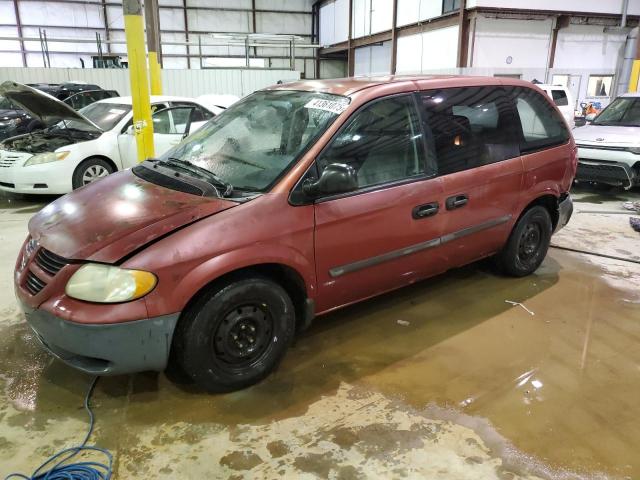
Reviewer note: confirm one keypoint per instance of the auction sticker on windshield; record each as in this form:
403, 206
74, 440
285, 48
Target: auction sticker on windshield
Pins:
328, 105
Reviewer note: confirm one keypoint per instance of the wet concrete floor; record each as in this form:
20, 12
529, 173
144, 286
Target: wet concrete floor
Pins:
441, 380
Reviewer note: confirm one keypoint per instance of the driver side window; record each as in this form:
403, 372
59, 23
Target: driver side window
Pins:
383, 142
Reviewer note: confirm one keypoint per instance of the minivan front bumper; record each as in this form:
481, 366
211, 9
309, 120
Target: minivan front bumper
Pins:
105, 349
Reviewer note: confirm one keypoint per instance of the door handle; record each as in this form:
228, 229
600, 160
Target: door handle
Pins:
426, 210
456, 201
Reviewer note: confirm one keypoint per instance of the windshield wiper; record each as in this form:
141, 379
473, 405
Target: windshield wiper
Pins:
202, 173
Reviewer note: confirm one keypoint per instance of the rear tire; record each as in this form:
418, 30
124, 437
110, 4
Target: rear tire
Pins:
528, 243
235, 336
90, 170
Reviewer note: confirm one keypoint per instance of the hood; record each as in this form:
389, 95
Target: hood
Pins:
606, 135
41, 105
109, 219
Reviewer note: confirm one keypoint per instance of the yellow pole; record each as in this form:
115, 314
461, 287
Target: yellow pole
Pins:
635, 68
134, 33
635, 76
153, 45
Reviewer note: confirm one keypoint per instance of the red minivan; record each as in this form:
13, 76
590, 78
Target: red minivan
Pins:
298, 200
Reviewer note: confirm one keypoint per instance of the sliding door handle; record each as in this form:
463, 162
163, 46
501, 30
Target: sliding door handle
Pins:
456, 201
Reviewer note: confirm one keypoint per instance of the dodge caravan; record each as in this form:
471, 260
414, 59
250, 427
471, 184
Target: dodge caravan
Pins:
296, 201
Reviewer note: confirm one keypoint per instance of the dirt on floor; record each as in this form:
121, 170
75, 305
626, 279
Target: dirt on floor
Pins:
440, 380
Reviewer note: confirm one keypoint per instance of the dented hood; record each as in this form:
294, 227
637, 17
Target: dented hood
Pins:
49, 110
111, 218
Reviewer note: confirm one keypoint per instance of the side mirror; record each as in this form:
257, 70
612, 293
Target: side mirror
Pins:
130, 130
336, 178
590, 117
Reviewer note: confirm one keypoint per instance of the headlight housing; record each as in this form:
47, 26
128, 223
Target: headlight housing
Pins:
46, 157
99, 283
29, 249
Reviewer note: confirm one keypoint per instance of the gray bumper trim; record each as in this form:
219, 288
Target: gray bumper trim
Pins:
106, 349
565, 210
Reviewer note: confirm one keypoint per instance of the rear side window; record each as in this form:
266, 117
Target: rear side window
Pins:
382, 142
468, 127
542, 125
560, 98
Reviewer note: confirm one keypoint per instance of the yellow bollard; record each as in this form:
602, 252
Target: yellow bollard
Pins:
142, 122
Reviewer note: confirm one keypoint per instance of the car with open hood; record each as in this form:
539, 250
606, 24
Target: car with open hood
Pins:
78, 147
296, 201
609, 147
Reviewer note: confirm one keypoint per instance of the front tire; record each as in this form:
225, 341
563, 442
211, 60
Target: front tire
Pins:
528, 243
235, 336
90, 170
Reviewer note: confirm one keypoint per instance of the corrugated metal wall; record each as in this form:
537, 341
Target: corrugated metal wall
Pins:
190, 83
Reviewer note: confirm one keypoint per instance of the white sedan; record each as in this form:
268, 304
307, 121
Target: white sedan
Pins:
609, 148
79, 147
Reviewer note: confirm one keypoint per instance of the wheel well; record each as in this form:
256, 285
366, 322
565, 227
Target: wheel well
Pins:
285, 276
550, 203
101, 157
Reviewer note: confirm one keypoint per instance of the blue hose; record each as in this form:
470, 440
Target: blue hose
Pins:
62, 469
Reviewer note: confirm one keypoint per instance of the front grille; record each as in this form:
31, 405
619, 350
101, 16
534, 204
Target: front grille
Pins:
50, 262
33, 284
605, 173
7, 161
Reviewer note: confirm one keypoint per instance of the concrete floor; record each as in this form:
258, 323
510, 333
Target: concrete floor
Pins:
441, 380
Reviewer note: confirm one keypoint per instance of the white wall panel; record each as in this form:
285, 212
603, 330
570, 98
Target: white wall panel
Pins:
333, 69
440, 48
291, 5
6, 13
381, 15
328, 23
361, 18
292, 23
590, 6
220, 3
432, 50
585, 46
372, 60
189, 83
171, 19
412, 11
523, 43
115, 17
409, 54
219, 21
45, 13
341, 29
9, 44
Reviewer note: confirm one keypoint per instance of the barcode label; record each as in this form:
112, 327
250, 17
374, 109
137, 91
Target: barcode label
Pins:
328, 105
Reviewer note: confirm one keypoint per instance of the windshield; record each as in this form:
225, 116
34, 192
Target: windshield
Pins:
105, 115
623, 112
255, 140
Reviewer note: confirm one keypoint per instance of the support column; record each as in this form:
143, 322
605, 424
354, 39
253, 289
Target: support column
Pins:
19, 29
463, 36
350, 49
134, 33
153, 44
394, 38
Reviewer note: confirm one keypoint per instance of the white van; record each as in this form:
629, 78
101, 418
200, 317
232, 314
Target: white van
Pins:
563, 100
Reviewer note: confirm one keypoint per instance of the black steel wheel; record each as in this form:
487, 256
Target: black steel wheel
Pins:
234, 336
528, 243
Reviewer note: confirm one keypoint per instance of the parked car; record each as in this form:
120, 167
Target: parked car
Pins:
563, 99
65, 89
298, 200
609, 147
78, 147
15, 121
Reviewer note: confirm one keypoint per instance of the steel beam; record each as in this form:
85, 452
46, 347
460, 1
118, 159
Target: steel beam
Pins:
19, 28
